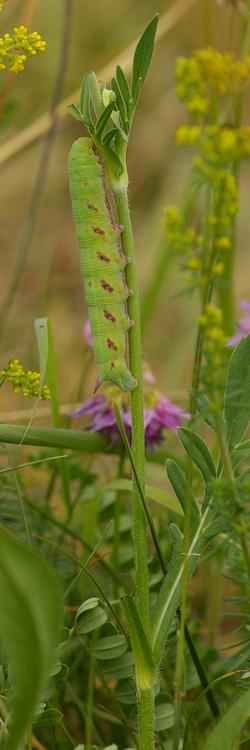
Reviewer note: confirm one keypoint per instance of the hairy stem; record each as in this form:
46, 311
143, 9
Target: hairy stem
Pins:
145, 701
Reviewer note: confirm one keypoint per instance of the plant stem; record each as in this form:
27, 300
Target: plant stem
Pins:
117, 513
145, 700
90, 695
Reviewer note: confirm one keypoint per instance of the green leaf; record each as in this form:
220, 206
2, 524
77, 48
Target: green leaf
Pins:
121, 667
168, 598
203, 407
164, 713
183, 493
159, 496
198, 452
88, 604
108, 137
126, 693
123, 86
85, 104
30, 617
142, 57
103, 119
237, 393
42, 338
51, 717
121, 105
144, 662
240, 453
110, 647
228, 729
90, 616
74, 111
48, 369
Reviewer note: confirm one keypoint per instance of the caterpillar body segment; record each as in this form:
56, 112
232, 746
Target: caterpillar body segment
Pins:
102, 263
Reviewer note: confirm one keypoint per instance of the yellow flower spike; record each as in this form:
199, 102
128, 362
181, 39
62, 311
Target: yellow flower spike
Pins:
193, 263
214, 312
218, 268
223, 243
198, 105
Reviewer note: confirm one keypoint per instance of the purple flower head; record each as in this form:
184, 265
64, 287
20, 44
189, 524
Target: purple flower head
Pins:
163, 415
243, 325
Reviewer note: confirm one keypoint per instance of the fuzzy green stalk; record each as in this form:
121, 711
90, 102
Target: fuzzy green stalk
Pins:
145, 699
90, 695
117, 514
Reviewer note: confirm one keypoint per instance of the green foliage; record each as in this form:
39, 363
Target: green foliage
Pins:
29, 625
228, 729
198, 452
116, 108
237, 393
144, 662
142, 58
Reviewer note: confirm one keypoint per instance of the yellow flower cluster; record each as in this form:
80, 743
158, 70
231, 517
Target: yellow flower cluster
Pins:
217, 146
184, 241
214, 341
2, 3
16, 47
26, 381
208, 73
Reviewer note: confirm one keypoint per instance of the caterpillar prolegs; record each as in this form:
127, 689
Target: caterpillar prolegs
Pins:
102, 263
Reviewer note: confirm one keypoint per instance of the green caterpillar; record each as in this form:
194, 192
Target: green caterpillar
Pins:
102, 263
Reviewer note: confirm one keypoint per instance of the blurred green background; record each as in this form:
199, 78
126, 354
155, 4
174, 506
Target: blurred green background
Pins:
50, 283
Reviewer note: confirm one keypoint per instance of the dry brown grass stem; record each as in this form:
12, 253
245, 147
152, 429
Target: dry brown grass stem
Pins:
38, 128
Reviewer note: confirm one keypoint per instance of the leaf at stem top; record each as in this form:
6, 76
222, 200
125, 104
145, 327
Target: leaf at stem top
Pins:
142, 57
84, 107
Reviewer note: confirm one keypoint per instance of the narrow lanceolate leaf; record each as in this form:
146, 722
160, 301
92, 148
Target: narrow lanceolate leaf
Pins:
42, 338
74, 111
144, 663
183, 493
123, 85
159, 496
198, 452
48, 369
142, 58
103, 119
168, 598
85, 103
30, 616
240, 452
237, 393
170, 592
227, 730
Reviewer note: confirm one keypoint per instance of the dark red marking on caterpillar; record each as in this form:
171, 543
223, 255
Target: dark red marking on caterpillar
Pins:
108, 315
98, 230
92, 207
103, 257
111, 345
105, 285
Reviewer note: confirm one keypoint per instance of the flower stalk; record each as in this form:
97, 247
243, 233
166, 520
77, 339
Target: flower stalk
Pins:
145, 699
